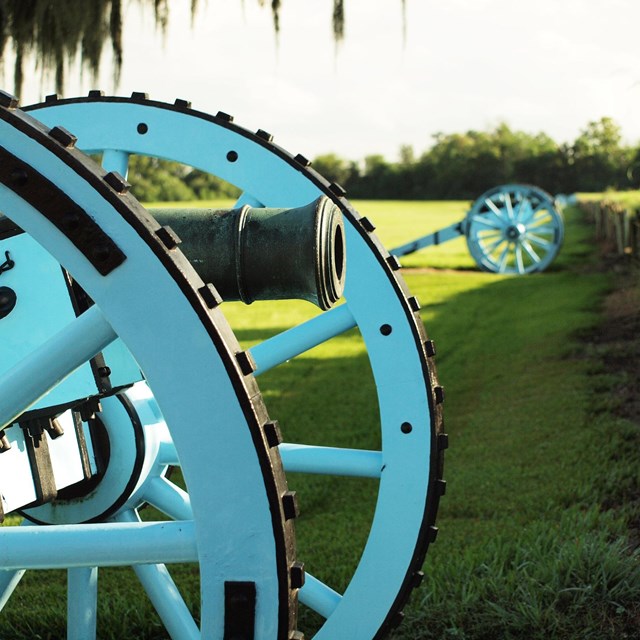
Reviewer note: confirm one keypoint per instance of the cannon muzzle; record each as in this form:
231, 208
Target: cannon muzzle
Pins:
253, 253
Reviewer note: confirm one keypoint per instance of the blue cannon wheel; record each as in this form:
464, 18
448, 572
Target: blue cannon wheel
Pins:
147, 294
408, 465
514, 229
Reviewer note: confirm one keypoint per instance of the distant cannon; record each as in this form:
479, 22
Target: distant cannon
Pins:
512, 228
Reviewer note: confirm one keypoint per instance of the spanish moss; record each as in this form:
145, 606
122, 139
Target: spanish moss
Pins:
338, 20
54, 33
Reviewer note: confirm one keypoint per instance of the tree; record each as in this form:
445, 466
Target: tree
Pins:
156, 180
597, 158
334, 168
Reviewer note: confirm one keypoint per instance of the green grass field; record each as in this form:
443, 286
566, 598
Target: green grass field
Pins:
526, 548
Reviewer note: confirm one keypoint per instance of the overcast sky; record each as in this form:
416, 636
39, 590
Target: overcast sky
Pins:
539, 65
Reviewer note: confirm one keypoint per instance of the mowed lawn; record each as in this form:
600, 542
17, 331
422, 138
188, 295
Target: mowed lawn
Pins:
524, 551
526, 548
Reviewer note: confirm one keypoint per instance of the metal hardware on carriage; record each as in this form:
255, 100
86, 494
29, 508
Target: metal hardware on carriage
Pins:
248, 253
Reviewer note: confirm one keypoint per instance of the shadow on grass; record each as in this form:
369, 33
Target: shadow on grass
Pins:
525, 550
530, 546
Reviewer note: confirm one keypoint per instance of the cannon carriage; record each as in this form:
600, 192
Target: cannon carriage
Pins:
118, 363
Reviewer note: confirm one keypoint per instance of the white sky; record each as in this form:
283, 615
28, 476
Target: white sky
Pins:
539, 65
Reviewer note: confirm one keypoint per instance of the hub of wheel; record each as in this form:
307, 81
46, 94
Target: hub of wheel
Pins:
515, 231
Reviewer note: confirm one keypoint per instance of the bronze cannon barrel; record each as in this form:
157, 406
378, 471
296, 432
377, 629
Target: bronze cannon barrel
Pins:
252, 253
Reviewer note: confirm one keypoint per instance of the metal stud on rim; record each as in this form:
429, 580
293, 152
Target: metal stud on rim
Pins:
409, 464
514, 229
114, 254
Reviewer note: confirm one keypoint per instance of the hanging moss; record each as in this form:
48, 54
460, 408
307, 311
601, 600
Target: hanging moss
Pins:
338, 20
55, 32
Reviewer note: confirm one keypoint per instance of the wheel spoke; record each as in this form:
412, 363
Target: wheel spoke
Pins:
305, 336
530, 250
519, 261
331, 460
115, 160
523, 206
167, 601
496, 211
164, 595
539, 241
97, 545
541, 229
493, 238
509, 206
169, 498
82, 603
318, 596
49, 364
9, 580
492, 247
531, 213
247, 199
502, 263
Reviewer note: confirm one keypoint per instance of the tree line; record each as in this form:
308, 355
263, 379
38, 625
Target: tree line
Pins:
463, 165
456, 166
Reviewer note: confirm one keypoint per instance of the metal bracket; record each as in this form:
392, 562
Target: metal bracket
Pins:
38, 451
239, 610
8, 264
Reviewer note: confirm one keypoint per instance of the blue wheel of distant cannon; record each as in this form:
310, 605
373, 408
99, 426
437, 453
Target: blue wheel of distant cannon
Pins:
147, 295
408, 464
514, 229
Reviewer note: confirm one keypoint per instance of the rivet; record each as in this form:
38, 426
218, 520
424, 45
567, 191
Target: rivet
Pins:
297, 575
101, 253
261, 133
71, 221
7, 100
221, 115
64, 137
18, 177
337, 189
117, 182
290, 505
168, 237
302, 161
210, 296
430, 348
8, 300
272, 433
367, 225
